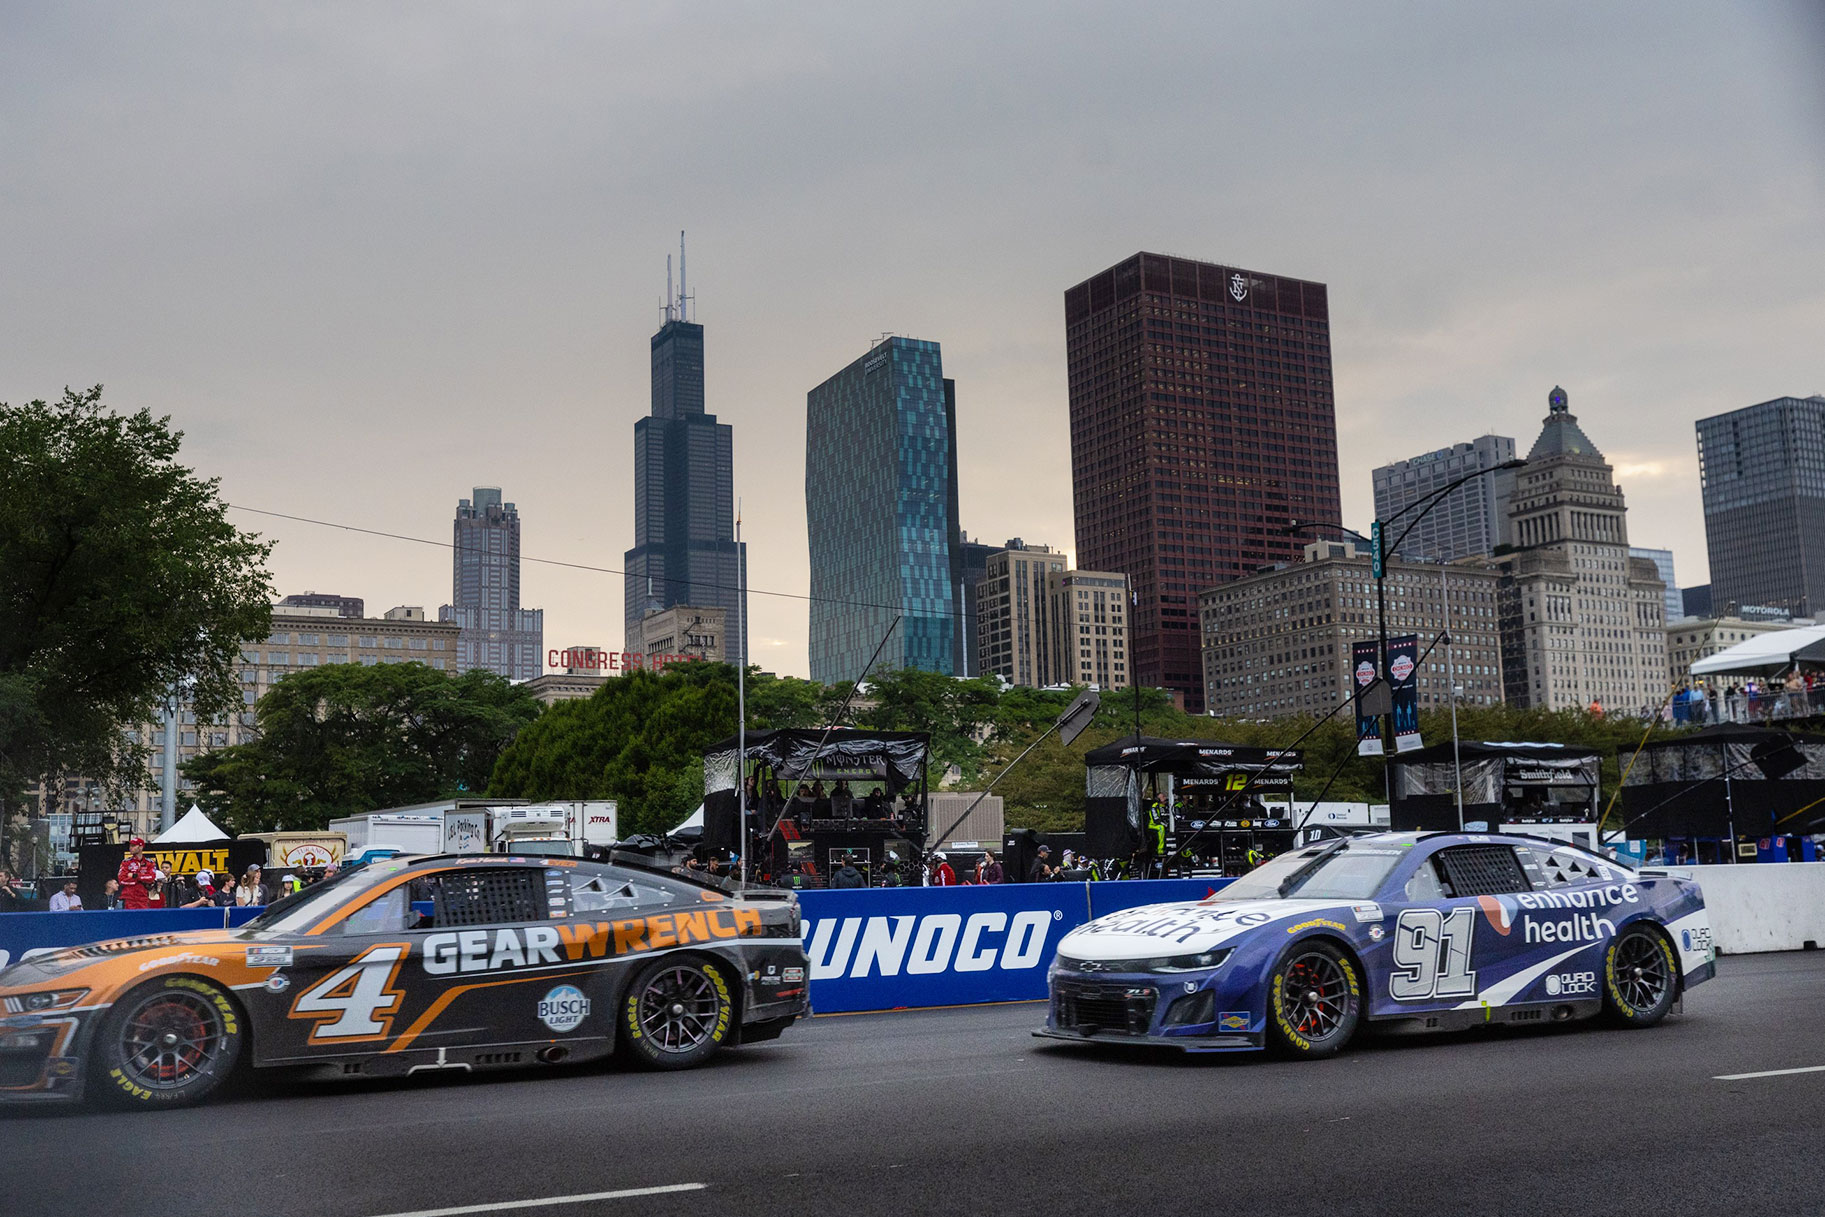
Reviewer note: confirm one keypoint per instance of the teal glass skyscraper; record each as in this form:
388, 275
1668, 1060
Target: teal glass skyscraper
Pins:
881, 514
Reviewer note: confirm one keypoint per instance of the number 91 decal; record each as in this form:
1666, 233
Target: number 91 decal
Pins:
1432, 955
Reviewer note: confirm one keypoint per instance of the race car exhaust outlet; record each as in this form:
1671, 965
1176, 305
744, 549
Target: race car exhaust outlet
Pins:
553, 1054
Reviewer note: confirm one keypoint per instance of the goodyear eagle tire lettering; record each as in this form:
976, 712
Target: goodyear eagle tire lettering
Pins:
168, 1043
1640, 977
677, 1013
1314, 1000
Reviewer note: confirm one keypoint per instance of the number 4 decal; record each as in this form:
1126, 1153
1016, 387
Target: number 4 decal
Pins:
1432, 955
348, 1005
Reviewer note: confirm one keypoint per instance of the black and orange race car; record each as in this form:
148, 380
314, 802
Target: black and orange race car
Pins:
457, 962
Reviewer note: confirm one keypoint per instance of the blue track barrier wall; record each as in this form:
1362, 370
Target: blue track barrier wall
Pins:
898, 948
870, 949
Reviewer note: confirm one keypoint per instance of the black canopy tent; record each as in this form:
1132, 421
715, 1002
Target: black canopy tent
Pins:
1505, 782
1725, 782
806, 841
1200, 782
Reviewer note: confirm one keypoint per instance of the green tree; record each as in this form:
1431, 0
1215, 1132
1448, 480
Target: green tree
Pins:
343, 739
120, 577
639, 739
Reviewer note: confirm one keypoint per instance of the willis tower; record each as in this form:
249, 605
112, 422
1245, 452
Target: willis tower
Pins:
685, 550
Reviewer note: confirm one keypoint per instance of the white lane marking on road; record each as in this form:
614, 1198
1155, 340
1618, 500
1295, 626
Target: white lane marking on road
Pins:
1766, 1073
582, 1198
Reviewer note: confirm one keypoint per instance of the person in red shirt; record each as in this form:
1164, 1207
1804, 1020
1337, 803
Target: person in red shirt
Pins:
941, 874
137, 874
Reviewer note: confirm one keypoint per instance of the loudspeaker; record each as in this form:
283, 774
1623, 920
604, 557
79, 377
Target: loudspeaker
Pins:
1108, 832
1018, 849
721, 821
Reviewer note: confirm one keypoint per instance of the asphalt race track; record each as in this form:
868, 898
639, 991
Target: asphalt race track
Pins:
962, 1111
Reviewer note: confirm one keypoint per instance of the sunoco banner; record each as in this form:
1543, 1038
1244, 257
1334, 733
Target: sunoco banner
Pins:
1362, 674
1403, 688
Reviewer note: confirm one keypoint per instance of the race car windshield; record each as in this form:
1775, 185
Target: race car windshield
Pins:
1334, 871
303, 908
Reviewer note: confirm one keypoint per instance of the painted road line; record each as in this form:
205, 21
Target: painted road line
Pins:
582, 1198
1766, 1073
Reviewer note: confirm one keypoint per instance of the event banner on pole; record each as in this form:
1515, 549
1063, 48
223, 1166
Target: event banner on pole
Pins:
1403, 688
1368, 726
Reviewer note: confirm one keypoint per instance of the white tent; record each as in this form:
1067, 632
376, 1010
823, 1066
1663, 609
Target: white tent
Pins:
1775, 651
194, 826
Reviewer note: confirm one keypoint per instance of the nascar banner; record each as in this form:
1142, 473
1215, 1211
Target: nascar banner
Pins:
1362, 671
1403, 688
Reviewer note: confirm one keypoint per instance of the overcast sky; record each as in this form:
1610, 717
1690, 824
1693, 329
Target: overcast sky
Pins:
369, 256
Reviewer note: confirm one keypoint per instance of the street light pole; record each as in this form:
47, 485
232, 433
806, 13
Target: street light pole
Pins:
1380, 551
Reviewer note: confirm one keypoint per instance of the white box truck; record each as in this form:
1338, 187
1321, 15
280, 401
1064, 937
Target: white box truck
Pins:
554, 829
408, 833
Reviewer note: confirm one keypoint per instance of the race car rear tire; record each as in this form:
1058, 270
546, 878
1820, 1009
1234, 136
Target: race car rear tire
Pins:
169, 1043
1640, 977
1314, 1000
678, 1012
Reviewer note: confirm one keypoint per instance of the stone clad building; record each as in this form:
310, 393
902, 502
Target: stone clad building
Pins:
1278, 642
1582, 621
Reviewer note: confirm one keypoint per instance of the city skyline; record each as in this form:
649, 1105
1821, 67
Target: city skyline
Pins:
335, 293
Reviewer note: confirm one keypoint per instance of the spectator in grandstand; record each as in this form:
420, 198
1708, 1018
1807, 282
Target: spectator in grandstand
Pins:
110, 894
10, 899
225, 890
842, 800
847, 876
137, 875
204, 894
330, 872
1042, 870
157, 894
875, 805
66, 900
251, 892
938, 872
988, 870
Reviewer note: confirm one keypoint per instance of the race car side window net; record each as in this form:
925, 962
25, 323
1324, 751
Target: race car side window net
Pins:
1483, 870
488, 896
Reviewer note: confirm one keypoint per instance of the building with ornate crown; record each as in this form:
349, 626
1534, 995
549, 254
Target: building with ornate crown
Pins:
1582, 622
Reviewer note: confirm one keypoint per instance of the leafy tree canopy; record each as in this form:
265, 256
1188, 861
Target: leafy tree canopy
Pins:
639, 739
343, 739
120, 576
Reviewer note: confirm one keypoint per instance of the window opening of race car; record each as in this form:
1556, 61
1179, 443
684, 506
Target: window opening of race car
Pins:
1335, 870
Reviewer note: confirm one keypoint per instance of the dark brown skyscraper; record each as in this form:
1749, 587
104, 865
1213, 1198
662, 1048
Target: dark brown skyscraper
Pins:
1202, 420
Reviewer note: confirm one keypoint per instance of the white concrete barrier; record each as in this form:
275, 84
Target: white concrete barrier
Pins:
1774, 906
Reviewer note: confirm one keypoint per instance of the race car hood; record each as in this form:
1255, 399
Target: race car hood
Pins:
1192, 927
113, 959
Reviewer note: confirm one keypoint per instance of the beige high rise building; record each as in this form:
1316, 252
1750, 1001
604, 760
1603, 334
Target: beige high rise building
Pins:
1089, 628
1279, 642
685, 629
1582, 621
1013, 637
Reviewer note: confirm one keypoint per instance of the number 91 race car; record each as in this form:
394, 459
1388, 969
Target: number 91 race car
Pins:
1413, 933
460, 962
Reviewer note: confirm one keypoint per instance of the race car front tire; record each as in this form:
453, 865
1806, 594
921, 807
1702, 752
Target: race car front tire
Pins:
168, 1043
678, 1012
1640, 977
1314, 1000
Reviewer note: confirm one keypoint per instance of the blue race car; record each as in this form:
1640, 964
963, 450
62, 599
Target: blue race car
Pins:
1411, 932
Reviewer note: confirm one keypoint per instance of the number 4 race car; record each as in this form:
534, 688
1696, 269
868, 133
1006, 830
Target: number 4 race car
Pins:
1417, 933
459, 962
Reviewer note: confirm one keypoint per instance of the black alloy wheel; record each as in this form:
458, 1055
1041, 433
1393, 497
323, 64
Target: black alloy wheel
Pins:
1640, 978
1315, 1000
167, 1044
677, 1013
